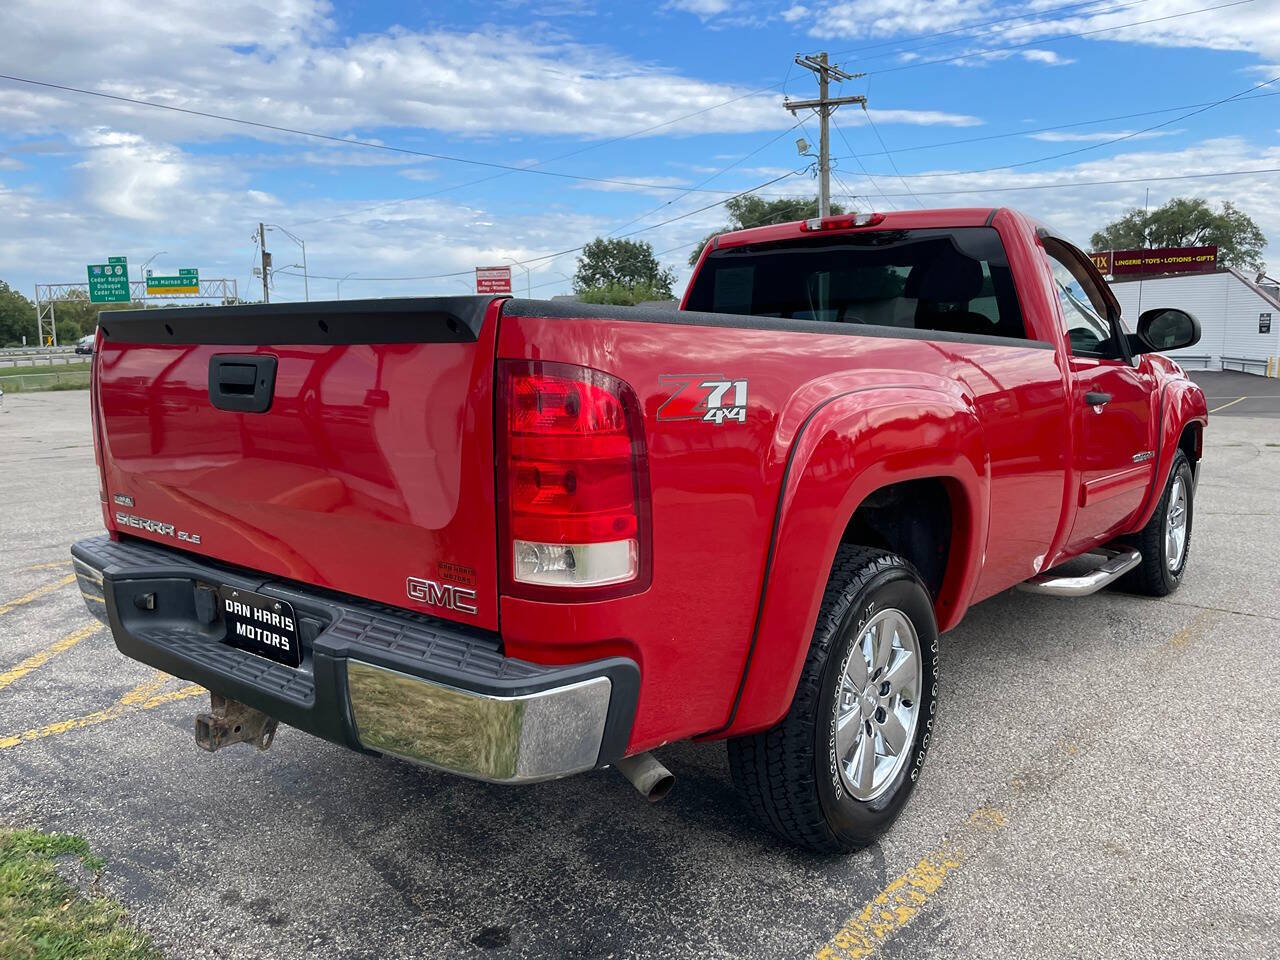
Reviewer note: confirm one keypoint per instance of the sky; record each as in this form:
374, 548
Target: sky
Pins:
523, 128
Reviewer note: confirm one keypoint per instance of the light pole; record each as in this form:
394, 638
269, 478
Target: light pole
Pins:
142, 274
528, 284
348, 276
306, 286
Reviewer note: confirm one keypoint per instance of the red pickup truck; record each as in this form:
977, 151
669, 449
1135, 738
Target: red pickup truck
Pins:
518, 539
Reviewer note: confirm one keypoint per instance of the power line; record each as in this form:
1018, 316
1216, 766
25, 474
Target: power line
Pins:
1062, 126
721, 171
1035, 16
1089, 183
861, 166
563, 156
1040, 16
889, 155
509, 168
562, 253
1065, 36
1091, 146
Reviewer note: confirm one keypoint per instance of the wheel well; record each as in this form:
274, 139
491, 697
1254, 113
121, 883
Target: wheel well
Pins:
1189, 442
912, 519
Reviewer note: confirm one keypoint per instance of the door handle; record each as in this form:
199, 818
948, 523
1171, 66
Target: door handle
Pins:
1096, 398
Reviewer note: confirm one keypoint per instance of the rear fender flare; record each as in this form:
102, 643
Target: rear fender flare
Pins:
1181, 403
850, 446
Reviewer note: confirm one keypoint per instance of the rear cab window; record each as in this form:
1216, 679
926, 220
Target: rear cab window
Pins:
951, 280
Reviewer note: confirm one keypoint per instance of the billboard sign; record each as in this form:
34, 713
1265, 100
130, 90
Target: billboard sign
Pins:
493, 279
186, 282
109, 282
1122, 263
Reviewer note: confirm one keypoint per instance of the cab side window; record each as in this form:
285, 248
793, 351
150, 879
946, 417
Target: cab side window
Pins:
1084, 309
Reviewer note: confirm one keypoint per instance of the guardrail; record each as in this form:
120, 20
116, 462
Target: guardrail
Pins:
1193, 361
1243, 363
48, 360
26, 382
34, 351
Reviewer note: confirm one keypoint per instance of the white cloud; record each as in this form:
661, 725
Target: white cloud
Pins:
699, 8
1099, 136
1081, 210
1047, 57
1249, 27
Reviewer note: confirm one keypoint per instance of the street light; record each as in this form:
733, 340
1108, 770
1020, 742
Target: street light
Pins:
528, 284
306, 286
349, 275
142, 274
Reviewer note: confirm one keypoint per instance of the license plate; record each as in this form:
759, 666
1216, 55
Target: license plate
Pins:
262, 625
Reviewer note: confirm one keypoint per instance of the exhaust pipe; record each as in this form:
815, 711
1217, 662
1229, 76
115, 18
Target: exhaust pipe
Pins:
651, 778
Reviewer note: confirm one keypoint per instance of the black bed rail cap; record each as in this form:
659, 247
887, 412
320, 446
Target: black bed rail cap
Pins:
389, 320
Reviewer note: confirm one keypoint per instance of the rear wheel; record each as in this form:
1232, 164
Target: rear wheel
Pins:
1165, 542
838, 768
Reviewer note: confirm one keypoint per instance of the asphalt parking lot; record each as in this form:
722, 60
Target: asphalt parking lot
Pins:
1105, 782
1231, 394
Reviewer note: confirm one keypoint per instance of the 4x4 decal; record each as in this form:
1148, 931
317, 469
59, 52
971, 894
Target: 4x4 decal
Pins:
710, 397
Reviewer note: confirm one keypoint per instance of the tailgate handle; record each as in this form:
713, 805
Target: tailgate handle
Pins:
242, 382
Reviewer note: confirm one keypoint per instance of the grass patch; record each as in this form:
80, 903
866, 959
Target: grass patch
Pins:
44, 917
78, 367
72, 376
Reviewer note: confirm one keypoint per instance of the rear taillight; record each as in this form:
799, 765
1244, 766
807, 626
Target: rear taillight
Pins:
573, 483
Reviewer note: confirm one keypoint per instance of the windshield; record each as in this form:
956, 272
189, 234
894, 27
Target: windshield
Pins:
954, 280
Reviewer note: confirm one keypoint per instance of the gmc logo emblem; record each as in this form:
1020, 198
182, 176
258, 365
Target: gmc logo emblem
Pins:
444, 595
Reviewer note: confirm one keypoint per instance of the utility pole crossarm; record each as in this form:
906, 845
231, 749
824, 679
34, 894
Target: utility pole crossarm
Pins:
794, 105
824, 105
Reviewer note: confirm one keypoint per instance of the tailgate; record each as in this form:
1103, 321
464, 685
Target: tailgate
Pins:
369, 472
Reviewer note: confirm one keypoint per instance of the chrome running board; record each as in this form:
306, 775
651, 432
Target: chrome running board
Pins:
1116, 565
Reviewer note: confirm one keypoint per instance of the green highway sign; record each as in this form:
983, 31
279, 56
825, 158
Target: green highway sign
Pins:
188, 272
109, 282
187, 281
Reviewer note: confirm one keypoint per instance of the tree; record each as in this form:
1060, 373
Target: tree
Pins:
17, 317
752, 211
1188, 222
623, 263
617, 294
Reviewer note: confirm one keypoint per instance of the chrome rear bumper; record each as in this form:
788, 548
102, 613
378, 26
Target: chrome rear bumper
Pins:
373, 677
90, 581
538, 736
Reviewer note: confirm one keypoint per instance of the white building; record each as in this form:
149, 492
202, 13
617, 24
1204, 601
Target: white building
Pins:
1239, 319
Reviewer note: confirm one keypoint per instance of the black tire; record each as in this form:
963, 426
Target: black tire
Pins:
789, 775
1153, 577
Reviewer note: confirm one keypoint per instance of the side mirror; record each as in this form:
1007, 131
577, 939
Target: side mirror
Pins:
1167, 328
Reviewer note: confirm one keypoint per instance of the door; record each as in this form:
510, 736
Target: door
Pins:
1111, 396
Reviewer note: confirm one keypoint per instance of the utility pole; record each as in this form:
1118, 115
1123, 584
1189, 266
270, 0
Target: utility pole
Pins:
266, 262
825, 105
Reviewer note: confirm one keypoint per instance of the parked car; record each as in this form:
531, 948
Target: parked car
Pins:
518, 539
85, 343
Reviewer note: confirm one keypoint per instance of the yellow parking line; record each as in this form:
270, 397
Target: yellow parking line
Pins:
36, 594
1225, 405
55, 565
41, 657
898, 903
140, 696
186, 692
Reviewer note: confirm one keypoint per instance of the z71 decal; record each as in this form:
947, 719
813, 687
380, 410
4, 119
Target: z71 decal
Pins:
709, 397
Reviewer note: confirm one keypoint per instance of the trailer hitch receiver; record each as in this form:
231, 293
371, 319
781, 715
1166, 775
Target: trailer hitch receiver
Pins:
229, 721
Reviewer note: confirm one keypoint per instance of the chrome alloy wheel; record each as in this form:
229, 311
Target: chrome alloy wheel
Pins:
1175, 529
878, 705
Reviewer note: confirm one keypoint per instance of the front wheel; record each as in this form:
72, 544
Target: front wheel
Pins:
1165, 542
837, 769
